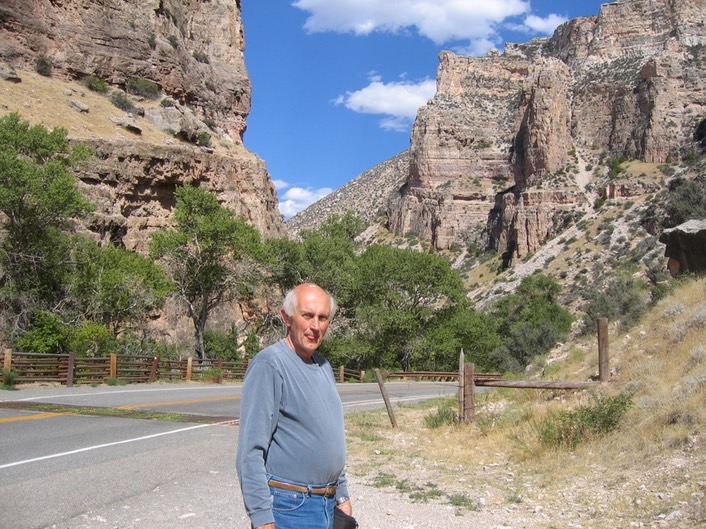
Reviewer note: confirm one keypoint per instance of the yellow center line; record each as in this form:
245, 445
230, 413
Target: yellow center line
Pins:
32, 417
174, 402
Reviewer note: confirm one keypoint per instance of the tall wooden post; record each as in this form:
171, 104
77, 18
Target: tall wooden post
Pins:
7, 363
153, 370
469, 390
461, 390
189, 367
603, 365
341, 374
70, 370
390, 411
113, 366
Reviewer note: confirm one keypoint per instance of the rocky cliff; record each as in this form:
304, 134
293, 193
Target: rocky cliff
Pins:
192, 51
500, 156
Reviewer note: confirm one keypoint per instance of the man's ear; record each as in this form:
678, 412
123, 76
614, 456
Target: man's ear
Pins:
285, 318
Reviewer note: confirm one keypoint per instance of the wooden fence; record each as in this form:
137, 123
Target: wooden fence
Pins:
69, 369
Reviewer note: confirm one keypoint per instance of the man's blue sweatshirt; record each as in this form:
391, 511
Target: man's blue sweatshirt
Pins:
291, 427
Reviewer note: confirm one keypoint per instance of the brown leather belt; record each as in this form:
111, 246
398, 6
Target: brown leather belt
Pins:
319, 491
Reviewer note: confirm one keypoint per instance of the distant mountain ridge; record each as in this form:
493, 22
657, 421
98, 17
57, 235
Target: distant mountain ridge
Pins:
367, 195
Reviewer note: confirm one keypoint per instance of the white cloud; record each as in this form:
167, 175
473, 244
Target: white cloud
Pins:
475, 22
439, 20
544, 25
295, 199
397, 101
280, 184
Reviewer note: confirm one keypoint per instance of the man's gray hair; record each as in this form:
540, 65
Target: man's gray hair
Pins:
289, 305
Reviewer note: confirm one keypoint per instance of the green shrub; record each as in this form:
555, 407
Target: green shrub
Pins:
9, 379
201, 57
212, 375
615, 166
43, 66
568, 429
166, 102
620, 300
666, 169
142, 87
219, 344
48, 335
443, 416
174, 41
152, 41
203, 139
122, 101
95, 84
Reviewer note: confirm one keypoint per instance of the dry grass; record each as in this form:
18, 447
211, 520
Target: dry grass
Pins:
650, 473
46, 101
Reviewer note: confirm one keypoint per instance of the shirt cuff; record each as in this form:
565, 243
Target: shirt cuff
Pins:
262, 518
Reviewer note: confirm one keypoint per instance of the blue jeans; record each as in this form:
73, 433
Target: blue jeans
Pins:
299, 510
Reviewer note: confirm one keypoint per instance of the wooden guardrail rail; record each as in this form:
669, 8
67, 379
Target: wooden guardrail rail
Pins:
70, 369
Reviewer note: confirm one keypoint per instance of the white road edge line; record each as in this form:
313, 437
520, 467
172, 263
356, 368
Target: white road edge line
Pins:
106, 445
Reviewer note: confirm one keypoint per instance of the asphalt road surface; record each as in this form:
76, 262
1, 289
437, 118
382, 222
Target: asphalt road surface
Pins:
63, 470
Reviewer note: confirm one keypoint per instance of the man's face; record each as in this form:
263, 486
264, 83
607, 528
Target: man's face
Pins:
310, 321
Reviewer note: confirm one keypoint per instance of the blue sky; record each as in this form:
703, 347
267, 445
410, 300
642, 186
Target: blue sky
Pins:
337, 83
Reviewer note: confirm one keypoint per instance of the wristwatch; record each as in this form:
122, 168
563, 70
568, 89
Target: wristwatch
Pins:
342, 499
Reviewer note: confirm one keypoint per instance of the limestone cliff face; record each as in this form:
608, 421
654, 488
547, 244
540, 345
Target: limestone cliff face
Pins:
495, 154
133, 184
193, 51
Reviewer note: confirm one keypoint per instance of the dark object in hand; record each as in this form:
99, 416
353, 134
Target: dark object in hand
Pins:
341, 520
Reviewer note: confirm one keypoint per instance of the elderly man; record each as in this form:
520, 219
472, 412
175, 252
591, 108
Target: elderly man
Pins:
291, 447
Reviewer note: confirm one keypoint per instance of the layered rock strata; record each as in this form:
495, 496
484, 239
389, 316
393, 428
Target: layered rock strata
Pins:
193, 52
488, 150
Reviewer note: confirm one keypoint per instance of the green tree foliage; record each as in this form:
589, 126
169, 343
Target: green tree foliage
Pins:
116, 288
621, 300
39, 199
462, 328
530, 322
684, 200
399, 296
326, 256
210, 255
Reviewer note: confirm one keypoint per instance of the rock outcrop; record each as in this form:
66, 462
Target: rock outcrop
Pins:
497, 153
192, 50
132, 184
193, 53
686, 247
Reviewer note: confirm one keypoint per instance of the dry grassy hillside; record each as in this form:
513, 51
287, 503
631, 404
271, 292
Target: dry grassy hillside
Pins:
650, 472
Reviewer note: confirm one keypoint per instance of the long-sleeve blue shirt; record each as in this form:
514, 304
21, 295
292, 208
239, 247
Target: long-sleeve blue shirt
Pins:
291, 427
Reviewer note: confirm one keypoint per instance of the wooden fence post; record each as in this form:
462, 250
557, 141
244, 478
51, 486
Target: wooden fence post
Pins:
113, 365
461, 389
189, 367
362, 376
469, 389
153, 371
390, 411
70, 370
603, 365
342, 374
7, 365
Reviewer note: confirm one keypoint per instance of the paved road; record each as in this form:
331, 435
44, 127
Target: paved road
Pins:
66, 471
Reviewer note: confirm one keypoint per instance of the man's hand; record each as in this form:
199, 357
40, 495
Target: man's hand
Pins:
266, 526
346, 507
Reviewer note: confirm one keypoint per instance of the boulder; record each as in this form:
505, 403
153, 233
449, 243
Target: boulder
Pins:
686, 247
